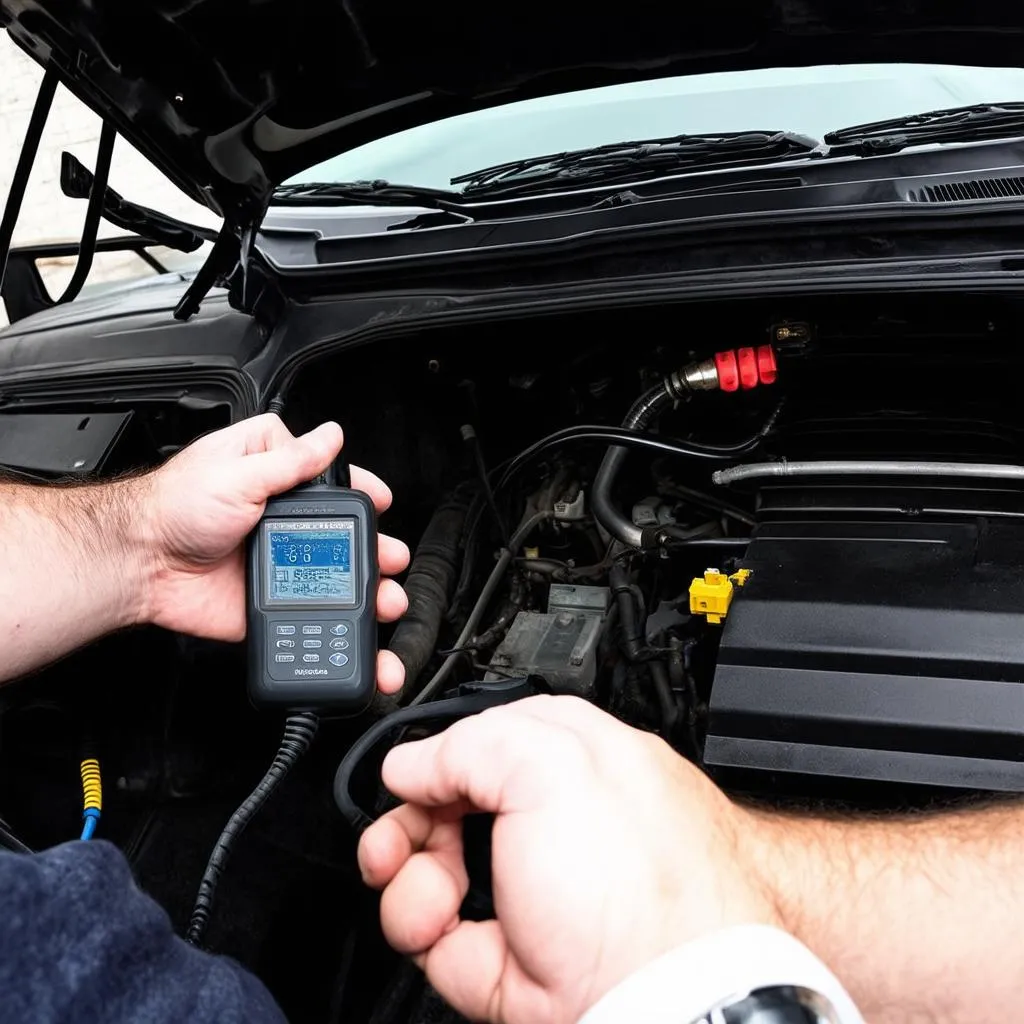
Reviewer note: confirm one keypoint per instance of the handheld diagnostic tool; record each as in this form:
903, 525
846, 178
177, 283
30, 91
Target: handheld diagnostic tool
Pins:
312, 591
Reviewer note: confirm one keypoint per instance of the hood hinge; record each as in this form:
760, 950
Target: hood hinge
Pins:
233, 263
223, 256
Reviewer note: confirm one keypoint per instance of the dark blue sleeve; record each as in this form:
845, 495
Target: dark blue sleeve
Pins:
79, 942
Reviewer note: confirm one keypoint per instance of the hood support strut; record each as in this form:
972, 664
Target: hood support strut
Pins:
224, 256
33, 134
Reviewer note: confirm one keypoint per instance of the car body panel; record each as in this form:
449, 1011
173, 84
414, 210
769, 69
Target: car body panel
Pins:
231, 98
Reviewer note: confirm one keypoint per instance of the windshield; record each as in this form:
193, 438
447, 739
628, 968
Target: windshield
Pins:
811, 101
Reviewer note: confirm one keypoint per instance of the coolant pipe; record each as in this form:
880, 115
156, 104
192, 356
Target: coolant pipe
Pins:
972, 470
645, 409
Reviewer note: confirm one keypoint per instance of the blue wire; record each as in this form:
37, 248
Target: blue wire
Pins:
89, 825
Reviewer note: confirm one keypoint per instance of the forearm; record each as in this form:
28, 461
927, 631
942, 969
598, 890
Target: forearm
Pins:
920, 918
74, 567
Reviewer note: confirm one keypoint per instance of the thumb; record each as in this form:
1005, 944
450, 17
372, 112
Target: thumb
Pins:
493, 760
291, 463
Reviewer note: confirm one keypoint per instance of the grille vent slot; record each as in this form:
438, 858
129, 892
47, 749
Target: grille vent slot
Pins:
972, 188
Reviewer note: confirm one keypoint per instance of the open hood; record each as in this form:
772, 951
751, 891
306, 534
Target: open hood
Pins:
230, 97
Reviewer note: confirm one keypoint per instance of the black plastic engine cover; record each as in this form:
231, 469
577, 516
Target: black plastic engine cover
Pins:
885, 645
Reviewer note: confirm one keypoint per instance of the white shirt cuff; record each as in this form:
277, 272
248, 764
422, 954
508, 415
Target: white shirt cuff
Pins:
689, 982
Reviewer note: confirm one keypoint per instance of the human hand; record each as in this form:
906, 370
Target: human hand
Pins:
201, 505
608, 850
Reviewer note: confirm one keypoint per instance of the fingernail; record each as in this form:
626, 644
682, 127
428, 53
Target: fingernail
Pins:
326, 437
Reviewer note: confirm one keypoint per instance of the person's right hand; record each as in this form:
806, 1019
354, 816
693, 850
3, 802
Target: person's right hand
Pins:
608, 851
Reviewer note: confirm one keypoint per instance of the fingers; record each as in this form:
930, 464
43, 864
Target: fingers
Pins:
421, 903
392, 555
248, 436
291, 463
367, 482
466, 965
390, 841
267, 434
579, 716
391, 601
264, 433
390, 672
492, 760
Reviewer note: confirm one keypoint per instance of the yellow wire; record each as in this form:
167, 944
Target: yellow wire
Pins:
92, 787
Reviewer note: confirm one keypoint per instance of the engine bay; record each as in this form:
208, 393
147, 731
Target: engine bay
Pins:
787, 537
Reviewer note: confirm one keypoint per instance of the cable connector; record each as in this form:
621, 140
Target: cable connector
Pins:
731, 370
92, 796
712, 593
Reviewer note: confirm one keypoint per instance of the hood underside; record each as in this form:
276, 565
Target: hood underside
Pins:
230, 97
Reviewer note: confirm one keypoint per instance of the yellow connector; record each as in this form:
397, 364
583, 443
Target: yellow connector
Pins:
711, 594
92, 787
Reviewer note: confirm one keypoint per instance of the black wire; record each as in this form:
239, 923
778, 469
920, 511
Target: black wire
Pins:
299, 731
469, 544
93, 213
473, 440
29, 147
450, 709
625, 438
707, 501
9, 841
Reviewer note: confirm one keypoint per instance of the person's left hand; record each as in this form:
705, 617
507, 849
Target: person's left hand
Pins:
200, 506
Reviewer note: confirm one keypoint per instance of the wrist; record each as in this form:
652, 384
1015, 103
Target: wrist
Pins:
126, 545
789, 856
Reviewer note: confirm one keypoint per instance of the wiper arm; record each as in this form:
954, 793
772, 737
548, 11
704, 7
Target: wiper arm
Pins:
76, 183
364, 193
630, 161
977, 122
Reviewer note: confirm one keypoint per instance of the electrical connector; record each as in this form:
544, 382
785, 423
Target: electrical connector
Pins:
712, 594
731, 370
92, 796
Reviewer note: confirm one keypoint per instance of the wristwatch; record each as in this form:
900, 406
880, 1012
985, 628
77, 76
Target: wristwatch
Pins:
780, 1004
746, 974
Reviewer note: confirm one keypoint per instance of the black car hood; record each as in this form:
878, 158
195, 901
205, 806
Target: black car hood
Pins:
230, 97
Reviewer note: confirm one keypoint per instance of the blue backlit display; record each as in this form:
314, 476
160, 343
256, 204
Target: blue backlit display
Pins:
310, 561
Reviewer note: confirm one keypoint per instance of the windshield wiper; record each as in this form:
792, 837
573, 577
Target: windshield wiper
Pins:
957, 124
363, 193
631, 161
76, 182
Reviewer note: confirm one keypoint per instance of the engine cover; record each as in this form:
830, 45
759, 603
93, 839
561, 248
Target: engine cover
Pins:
881, 642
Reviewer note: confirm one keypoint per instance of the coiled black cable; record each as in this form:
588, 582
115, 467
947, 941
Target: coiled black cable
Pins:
299, 730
